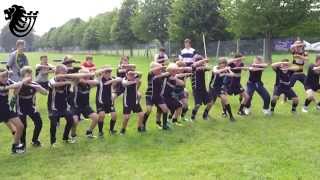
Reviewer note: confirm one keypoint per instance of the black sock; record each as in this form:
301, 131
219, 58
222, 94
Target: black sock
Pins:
100, 126
224, 109
184, 111
112, 124
145, 118
307, 102
241, 107
194, 112
164, 119
318, 104
174, 120
228, 109
273, 104
294, 106
206, 112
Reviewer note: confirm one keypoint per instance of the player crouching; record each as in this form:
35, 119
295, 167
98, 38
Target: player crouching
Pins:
153, 94
26, 106
58, 105
104, 101
312, 84
131, 100
80, 103
283, 74
7, 116
219, 73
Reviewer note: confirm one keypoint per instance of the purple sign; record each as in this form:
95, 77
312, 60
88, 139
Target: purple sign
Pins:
282, 44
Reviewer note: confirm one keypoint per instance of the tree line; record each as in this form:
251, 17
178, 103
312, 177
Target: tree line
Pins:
144, 21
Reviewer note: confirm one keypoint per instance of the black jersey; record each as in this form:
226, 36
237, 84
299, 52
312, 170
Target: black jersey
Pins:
255, 76
27, 94
4, 94
104, 92
283, 78
80, 95
198, 79
169, 87
312, 78
130, 96
58, 97
235, 80
122, 74
216, 80
155, 86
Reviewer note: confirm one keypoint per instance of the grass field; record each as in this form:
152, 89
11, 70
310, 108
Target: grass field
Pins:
283, 146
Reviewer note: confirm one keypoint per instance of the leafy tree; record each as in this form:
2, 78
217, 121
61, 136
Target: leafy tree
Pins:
151, 22
121, 31
194, 17
265, 18
103, 24
8, 40
90, 38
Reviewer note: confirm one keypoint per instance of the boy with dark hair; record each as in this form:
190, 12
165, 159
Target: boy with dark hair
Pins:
162, 57
311, 84
282, 85
26, 106
7, 115
131, 100
122, 69
199, 88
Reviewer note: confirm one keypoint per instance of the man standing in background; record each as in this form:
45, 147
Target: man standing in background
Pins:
17, 60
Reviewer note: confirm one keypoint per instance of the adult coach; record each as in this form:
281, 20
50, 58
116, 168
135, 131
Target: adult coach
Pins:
17, 60
188, 53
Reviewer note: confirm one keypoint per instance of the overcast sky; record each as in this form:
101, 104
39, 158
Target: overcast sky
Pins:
53, 13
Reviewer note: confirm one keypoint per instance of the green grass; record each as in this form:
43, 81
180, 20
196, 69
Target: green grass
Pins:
283, 146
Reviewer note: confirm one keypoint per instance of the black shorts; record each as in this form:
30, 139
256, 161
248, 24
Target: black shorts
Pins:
288, 92
54, 114
201, 97
172, 103
154, 101
136, 108
6, 114
107, 108
118, 90
85, 111
44, 85
233, 89
214, 93
313, 87
25, 108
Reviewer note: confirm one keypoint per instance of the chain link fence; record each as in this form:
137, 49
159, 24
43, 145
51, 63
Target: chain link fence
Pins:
214, 49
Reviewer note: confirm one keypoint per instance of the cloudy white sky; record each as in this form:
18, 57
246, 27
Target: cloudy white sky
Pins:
53, 13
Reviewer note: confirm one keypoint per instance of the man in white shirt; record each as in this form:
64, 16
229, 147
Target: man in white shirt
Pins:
188, 53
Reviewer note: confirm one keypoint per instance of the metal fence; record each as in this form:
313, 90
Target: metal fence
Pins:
214, 49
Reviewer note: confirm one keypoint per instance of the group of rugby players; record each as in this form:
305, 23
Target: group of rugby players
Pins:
69, 91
